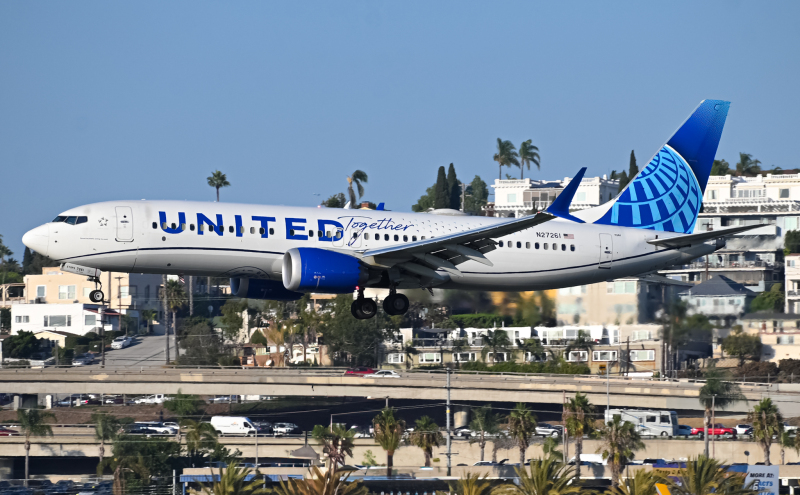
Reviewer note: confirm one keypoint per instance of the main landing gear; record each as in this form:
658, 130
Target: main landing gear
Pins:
394, 304
96, 296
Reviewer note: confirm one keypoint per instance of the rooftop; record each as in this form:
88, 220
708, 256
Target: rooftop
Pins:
768, 315
719, 285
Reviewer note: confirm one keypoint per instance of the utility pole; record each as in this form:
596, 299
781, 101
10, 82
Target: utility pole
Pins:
608, 396
191, 296
166, 323
100, 314
447, 422
713, 419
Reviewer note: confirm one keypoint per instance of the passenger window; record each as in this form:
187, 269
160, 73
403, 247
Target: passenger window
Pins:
310, 233
252, 230
555, 246
519, 244
405, 238
230, 229
500, 243
327, 233
355, 234
413, 238
572, 247
164, 225
183, 226
291, 232
202, 227
241, 229
536, 245
82, 220
220, 229
261, 230
366, 236
271, 231
385, 237
72, 220
173, 226
339, 234
191, 227
396, 237
563, 247
319, 233
545, 246
423, 238
510, 244
155, 225
527, 245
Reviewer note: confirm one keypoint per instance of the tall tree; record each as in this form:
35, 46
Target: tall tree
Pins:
545, 477
623, 181
496, 342
471, 484
506, 156
27, 259
176, 299
441, 197
4, 251
484, 422
742, 346
579, 421
521, 428
706, 476
528, 153
235, 480
788, 441
718, 391
620, 441
148, 315
200, 437
767, 422
454, 187
165, 309
218, 180
720, 167
337, 440
356, 179
476, 197
633, 169
769, 300
747, 165
335, 201
106, 427
317, 482
32, 424
388, 433
426, 436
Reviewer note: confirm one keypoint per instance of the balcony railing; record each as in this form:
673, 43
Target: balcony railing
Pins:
727, 265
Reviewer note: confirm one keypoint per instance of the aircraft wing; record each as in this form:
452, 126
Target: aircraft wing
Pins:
686, 240
424, 257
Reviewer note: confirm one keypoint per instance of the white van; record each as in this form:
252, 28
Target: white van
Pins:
233, 425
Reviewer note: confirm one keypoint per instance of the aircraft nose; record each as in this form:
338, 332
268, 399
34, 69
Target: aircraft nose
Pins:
38, 239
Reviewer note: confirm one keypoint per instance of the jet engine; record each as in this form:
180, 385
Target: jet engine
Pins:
255, 288
319, 270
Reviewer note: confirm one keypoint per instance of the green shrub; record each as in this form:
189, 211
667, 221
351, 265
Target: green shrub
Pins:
80, 349
480, 320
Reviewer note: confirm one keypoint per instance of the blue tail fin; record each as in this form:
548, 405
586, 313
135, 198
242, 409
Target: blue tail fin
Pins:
666, 194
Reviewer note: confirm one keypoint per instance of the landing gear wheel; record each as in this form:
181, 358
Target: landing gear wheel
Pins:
364, 309
96, 296
395, 304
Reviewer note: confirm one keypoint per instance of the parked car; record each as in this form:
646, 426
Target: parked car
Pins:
121, 342
788, 428
383, 374
284, 428
264, 428
684, 430
716, 430
548, 430
151, 399
112, 399
743, 428
73, 400
464, 432
140, 430
360, 371
7, 432
158, 427
83, 359
363, 431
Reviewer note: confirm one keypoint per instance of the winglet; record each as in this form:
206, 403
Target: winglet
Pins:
380, 207
560, 206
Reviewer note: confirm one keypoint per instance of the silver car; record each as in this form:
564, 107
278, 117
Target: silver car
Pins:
83, 359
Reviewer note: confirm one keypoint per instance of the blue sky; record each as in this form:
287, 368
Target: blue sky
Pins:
131, 100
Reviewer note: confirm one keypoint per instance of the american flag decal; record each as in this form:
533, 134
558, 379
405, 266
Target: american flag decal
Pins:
569, 236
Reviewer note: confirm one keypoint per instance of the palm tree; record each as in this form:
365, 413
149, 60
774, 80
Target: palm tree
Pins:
234, 482
506, 155
747, 166
579, 421
471, 484
495, 342
521, 428
707, 476
484, 422
176, 298
533, 347
200, 436
218, 180
388, 433
789, 441
106, 427
338, 442
4, 251
409, 350
545, 477
620, 441
148, 315
642, 483
528, 153
318, 483
426, 436
719, 392
582, 343
357, 178
32, 424
767, 422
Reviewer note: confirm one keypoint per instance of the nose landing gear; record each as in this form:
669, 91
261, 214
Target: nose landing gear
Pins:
96, 296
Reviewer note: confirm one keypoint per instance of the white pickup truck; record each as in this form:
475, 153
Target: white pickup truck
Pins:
151, 399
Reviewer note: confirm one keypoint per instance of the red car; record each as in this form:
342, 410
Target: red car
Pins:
5, 432
360, 371
716, 430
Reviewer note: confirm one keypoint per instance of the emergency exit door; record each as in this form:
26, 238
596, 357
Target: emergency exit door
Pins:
606, 250
124, 223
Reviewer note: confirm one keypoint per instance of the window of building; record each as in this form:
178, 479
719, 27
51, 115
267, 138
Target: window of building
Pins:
66, 291
578, 356
626, 287
41, 291
500, 357
22, 319
127, 291
511, 198
641, 335
430, 357
87, 291
604, 355
464, 357
642, 355
535, 358
783, 193
58, 321
146, 292
90, 320
396, 358
785, 339
580, 197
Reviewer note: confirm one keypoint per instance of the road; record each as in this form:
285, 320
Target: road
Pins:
144, 352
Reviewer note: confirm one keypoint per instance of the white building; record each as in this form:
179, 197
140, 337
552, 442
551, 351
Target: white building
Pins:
522, 197
78, 319
792, 285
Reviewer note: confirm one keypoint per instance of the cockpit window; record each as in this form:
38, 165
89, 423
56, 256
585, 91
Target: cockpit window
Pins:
59, 219
82, 220
72, 220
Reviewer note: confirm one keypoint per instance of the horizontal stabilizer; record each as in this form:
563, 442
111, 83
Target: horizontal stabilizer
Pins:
686, 240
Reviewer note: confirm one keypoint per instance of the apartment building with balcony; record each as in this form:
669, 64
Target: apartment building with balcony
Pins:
792, 283
72, 318
779, 333
721, 299
520, 197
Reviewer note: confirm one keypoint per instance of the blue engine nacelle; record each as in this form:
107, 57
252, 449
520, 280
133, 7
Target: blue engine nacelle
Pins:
256, 288
319, 270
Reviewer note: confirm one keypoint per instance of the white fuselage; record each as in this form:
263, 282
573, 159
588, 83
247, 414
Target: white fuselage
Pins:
130, 236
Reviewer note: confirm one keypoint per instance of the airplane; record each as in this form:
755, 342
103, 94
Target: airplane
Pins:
281, 252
